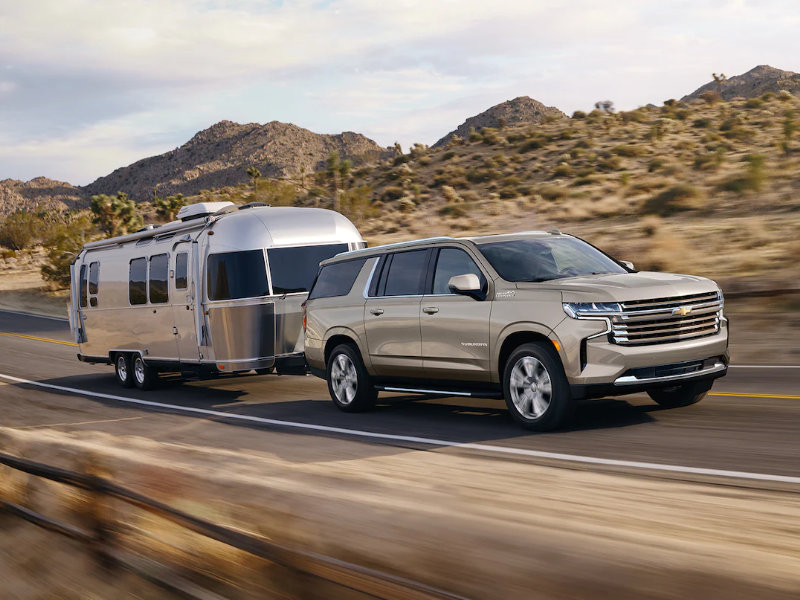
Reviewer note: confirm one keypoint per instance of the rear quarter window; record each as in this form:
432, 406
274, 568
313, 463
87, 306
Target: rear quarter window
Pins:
336, 279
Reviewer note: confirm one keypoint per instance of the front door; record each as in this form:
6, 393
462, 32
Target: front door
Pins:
391, 316
182, 294
455, 328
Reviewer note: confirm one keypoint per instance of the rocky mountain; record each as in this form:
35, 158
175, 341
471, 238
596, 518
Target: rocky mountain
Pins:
220, 155
755, 82
518, 111
39, 194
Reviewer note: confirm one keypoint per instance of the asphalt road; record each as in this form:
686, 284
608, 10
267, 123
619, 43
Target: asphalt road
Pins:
749, 423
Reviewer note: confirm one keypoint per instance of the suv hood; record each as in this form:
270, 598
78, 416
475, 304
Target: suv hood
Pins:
621, 287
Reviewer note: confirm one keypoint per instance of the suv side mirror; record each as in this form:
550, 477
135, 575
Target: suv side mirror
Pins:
628, 264
466, 285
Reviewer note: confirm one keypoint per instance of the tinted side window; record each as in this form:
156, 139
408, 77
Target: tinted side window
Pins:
82, 285
451, 262
293, 269
406, 273
94, 282
233, 275
181, 271
336, 279
159, 271
137, 281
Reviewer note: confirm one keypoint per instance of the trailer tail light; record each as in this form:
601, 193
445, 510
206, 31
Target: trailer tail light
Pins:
305, 315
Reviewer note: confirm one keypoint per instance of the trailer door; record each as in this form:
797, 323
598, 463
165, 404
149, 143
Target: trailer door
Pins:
183, 306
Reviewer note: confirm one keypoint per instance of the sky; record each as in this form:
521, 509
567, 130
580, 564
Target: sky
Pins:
87, 86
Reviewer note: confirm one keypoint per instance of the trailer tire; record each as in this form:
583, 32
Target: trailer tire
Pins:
123, 369
144, 376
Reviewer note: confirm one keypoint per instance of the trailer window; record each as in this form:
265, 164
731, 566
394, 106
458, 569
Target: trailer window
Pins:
233, 275
137, 281
82, 285
94, 282
336, 279
159, 271
293, 269
181, 271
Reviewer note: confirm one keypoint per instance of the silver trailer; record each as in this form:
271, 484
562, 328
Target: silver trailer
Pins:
217, 291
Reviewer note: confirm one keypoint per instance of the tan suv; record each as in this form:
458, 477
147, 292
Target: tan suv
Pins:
541, 319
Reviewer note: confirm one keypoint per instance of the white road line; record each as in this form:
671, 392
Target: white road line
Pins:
427, 441
764, 366
26, 314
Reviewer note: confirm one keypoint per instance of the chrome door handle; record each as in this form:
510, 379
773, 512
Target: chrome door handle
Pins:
430, 310
376, 311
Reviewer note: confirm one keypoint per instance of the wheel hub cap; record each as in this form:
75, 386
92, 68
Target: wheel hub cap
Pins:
344, 379
531, 388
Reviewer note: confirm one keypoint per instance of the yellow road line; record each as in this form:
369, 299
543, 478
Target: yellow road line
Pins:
38, 339
754, 395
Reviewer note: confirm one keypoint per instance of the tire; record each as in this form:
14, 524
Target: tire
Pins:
265, 371
145, 377
681, 395
123, 369
348, 381
536, 389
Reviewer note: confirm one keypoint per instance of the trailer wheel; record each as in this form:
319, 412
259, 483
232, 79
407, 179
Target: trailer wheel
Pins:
123, 369
145, 377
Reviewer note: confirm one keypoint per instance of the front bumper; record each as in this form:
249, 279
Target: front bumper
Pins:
661, 376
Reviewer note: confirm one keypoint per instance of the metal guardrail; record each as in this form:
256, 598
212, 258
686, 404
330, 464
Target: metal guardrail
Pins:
371, 582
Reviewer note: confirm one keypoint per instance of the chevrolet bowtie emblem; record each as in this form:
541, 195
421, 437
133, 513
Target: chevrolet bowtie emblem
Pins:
682, 311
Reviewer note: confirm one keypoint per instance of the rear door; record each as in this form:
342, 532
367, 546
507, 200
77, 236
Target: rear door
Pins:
454, 328
182, 294
391, 315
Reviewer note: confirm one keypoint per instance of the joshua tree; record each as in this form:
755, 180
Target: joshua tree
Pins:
607, 106
254, 175
719, 80
167, 208
115, 215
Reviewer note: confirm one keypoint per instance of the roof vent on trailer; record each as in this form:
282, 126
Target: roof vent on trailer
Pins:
201, 209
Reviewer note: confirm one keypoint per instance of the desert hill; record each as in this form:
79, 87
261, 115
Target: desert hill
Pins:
519, 111
220, 155
755, 82
39, 194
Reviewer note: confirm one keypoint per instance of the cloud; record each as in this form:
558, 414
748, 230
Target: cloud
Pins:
108, 81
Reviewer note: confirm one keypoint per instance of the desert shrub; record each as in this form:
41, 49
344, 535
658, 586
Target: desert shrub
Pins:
20, 230
785, 95
401, 159
460, 183
628, 150
578, 114
474, 136
702, 122
609, 163
767, 96
710, 97
670, 102
533, 144
481, 175
709, 161
580, 181
513, 138
753, 103
562, 170
448, 155
752, 180
6, 253
553, 192
634, 116
567, 134
508, 192
655, 165
357, 205
424, 160
525, 189
651, 224
678, 198
625, 178
453, 210
450, 195
65, 247
392, 193
490, 135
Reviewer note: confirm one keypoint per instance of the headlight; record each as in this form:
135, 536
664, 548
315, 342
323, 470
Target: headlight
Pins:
579, 310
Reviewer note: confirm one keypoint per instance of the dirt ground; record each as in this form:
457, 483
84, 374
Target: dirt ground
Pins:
481, 527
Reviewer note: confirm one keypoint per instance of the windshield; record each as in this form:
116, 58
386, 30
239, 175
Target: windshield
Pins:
543, 259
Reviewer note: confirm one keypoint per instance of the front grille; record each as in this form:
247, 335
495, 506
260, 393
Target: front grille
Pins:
664, 320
